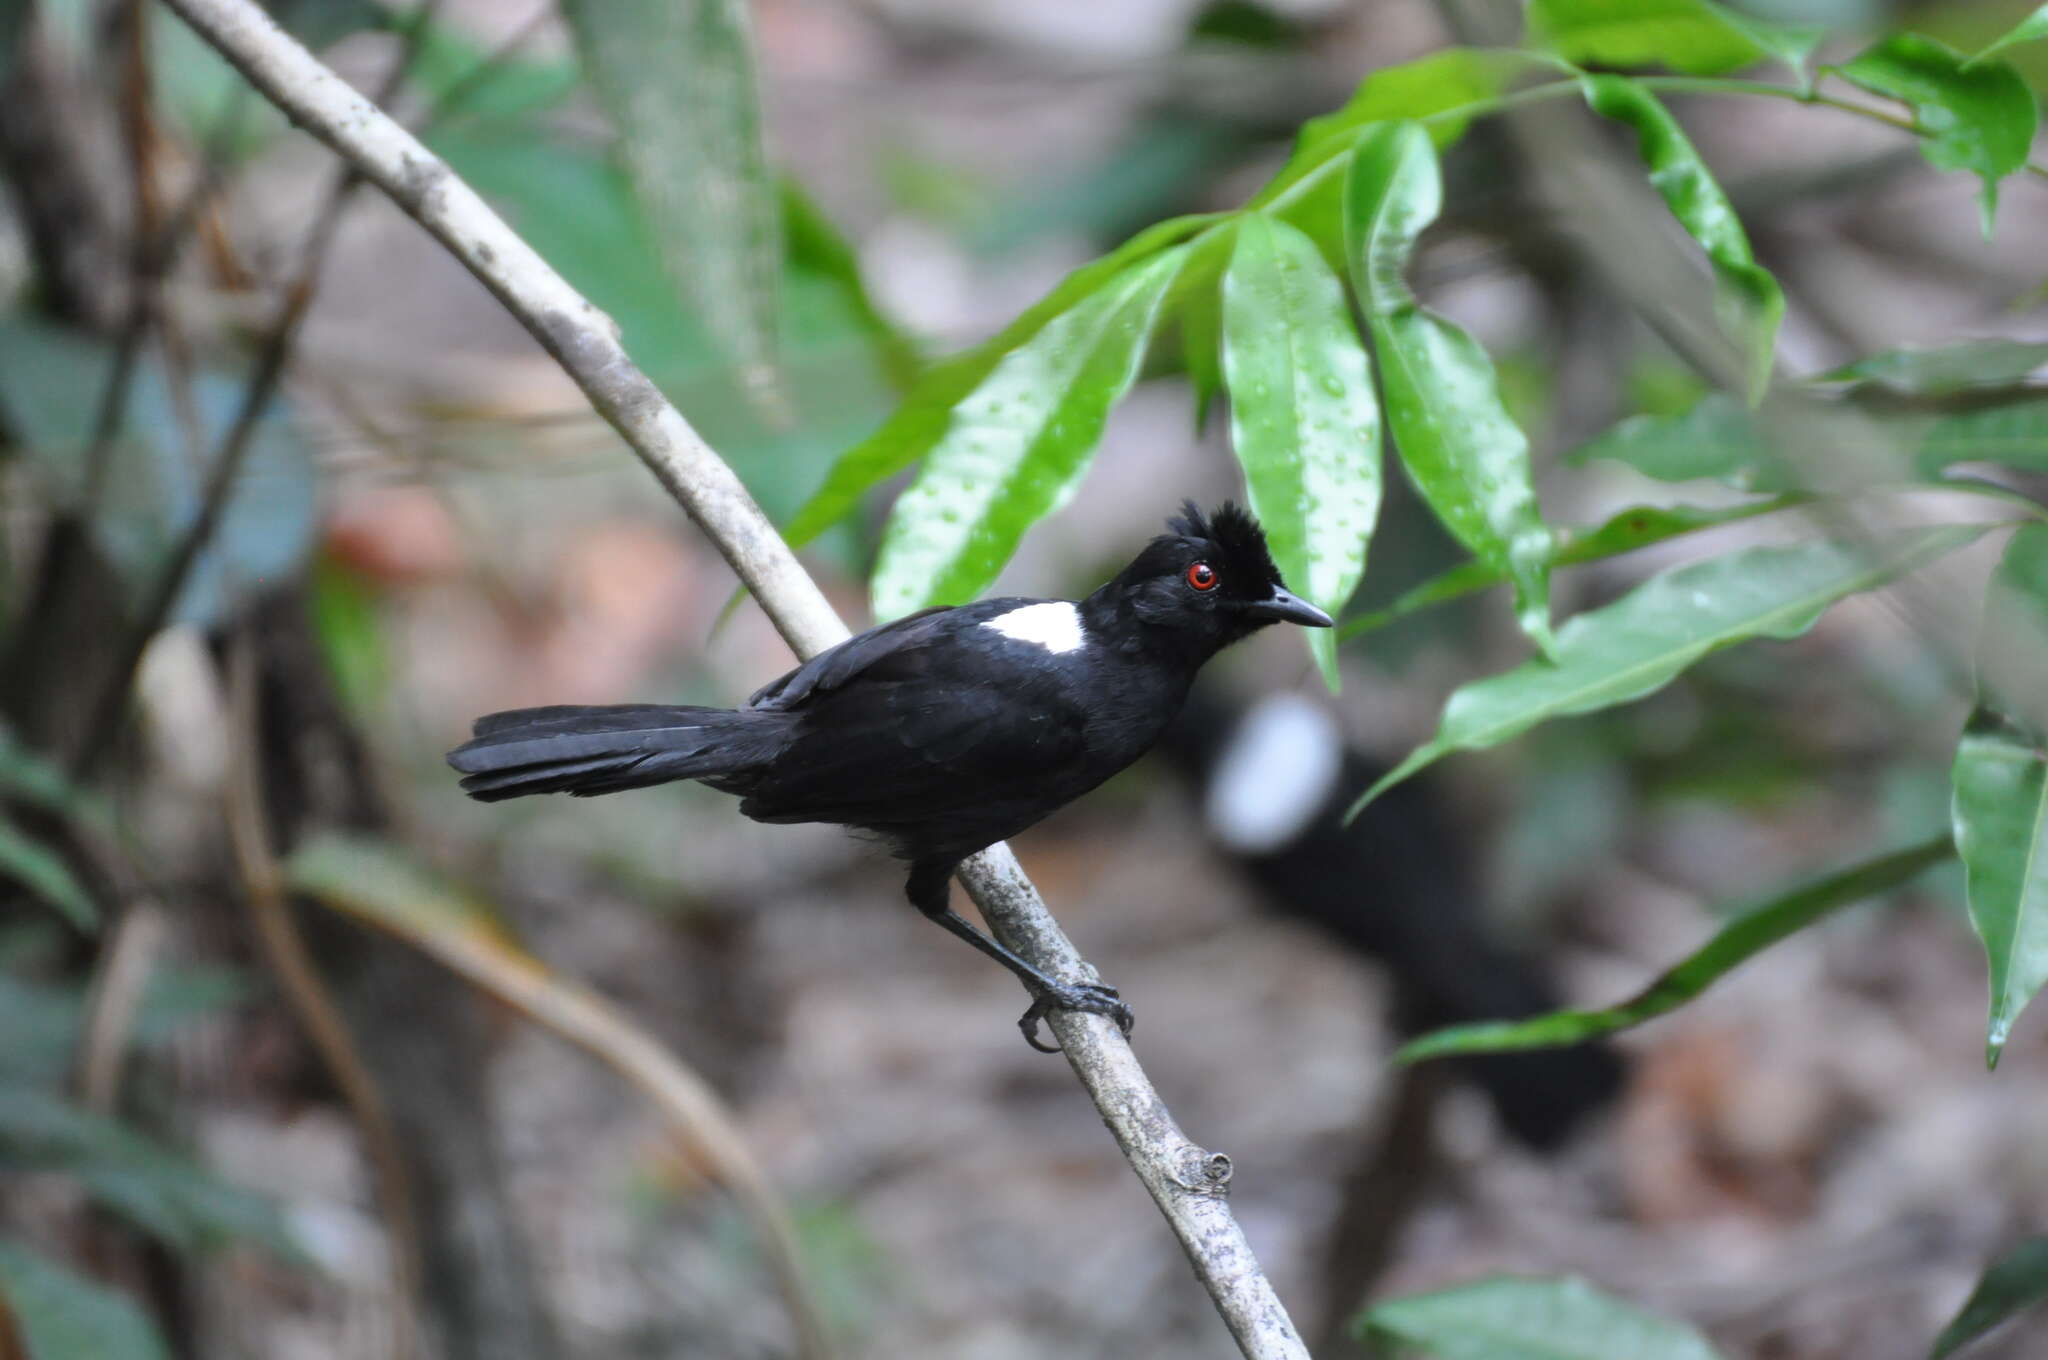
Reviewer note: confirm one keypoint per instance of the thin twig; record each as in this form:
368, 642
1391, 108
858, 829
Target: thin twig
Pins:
291, 963
466, 86
120, 979
157, 243
225, 470
703, 1122
154, 247
1188, 1183
145, 148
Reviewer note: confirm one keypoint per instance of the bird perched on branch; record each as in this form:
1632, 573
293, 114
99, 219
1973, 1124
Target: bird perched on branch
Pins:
942, 732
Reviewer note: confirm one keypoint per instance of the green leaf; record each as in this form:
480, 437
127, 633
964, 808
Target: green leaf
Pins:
343, 606
2012, 648
62, 1316
447, 67
29, 777
1693, 36
1201, 343
1716, 437
2015, 1282
1644, 640
381, 882
2001, 786
2033, 28
1977, 117
42, 871
319, 26
1639, 526
677, 79
2014, 433
1017, 445
159, 1191
1462, 450
1945, 370
926, 414
1511, 1318
1748, 934
194, 90
1443, 91
1448, 88
1748, 299
577, 208
1303, 417
815, 246
51, 384
42, 1020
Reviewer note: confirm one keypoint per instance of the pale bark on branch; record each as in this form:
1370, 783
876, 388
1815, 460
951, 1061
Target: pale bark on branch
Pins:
1189, 1183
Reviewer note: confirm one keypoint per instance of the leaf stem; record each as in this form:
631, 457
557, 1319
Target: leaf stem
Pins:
1561, 89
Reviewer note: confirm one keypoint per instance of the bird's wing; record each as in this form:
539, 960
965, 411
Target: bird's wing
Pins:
903, 750
864, 652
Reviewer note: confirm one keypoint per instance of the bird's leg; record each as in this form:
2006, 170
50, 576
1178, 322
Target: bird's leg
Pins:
930, 891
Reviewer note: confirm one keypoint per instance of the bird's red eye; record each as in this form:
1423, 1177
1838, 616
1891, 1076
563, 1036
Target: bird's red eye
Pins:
1202, 576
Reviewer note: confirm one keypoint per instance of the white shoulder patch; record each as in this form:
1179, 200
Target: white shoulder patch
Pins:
1275, 774
1054, 625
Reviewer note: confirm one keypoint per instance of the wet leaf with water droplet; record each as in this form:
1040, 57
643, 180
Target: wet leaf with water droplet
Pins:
1980, 114
1462, 449
1017, 444
1625, 531
1698, 37
1644, 640
1747, 296
2001, 784
1300, 385
926, 414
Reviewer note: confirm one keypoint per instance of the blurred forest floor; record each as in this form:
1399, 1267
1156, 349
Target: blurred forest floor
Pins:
1811, 1162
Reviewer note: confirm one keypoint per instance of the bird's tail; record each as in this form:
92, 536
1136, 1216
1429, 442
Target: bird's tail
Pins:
586, 751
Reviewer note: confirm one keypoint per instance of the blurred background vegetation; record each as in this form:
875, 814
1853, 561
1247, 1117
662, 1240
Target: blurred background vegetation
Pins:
302, 1054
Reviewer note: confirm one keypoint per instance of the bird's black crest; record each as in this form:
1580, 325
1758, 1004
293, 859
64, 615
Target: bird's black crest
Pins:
1233, 530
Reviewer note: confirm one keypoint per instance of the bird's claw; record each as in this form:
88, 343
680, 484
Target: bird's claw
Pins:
1096, 998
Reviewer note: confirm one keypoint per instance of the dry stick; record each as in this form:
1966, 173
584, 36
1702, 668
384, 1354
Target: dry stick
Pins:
701, 1119
120, 980
298, 977
145, 144
1187, 1182
153, 253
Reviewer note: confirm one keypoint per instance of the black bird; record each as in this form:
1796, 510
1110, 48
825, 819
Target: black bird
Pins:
1398, 883
943, 732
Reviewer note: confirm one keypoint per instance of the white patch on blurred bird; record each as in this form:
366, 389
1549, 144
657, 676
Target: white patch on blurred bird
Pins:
1275, 774
1054, 625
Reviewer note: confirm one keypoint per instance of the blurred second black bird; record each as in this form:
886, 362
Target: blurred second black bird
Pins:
1396, 885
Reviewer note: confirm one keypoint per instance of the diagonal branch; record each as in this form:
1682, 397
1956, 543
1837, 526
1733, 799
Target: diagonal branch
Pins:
1188, 1182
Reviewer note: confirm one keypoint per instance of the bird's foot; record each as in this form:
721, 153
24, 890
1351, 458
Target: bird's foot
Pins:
1096, 998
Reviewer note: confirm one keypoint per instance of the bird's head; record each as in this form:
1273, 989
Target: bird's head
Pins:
1208, 581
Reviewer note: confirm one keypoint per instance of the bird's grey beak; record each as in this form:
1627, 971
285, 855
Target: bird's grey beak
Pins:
1284, 607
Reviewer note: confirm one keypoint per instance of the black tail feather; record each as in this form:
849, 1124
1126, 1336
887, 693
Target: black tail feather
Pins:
588, 751
584, 718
